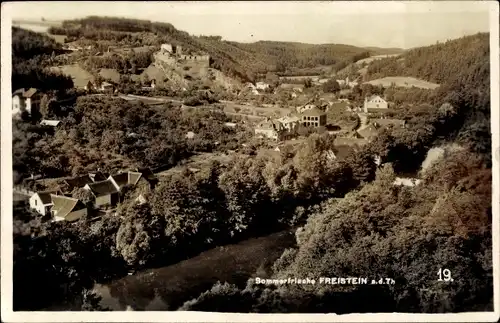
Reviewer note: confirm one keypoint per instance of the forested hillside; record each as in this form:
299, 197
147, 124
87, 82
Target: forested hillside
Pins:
28, 51
462, 67
235, 59
404, 233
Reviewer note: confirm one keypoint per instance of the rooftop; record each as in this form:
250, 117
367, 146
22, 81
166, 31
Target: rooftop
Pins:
103, 188
63, 205
52, 123
313, 112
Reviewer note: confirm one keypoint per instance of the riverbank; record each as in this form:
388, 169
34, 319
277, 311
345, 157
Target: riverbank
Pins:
167, 288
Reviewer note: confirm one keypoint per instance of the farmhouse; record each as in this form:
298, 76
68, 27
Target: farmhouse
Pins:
67, 208
106, 193
270, 129
290, 123
369, 132
107, 87
25, 100
313, 117
41, 202
70, 184
375, 102
261, 86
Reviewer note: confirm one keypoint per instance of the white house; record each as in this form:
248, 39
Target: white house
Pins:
375, 102
270, 129
261, 85
67, 208
25, 100
410, 182
41, 202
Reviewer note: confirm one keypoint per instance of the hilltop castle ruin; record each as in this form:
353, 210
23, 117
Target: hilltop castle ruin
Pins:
170, 54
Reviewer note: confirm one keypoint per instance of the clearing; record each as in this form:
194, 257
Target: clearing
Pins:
80, 76
401, 81
373, 58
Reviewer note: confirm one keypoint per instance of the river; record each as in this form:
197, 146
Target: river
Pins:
167, 288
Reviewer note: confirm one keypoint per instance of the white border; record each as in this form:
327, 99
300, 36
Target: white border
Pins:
6, 223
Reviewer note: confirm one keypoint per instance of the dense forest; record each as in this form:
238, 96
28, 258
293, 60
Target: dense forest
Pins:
245, 61
137, 135
29, 54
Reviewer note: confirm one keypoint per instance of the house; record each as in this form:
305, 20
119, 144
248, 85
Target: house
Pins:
97, 176
50, 123
106, 192
41, 202
369, 132
261, 86
25, 100
67, 208
270, 129
375, 102
107, 87
143, 181
410, 182
290, 123
70, 184
313, 117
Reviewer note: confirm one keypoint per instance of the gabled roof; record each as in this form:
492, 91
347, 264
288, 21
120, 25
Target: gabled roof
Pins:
269, 125
45, 197
25, 93
120, 179
102, 188
63, 205
371, 97
30, 93
77, 182
315, 112
147, 174
368, 132
97, 176
133, 177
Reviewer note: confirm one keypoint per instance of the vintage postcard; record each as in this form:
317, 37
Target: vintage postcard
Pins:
250, 161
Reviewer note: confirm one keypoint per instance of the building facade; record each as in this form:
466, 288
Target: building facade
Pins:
375, 102
313, 118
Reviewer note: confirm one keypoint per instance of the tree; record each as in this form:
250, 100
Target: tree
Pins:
331, 86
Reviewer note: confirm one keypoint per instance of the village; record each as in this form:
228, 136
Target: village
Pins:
276, 125
161, 167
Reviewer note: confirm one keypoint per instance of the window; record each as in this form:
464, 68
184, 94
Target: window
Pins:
377, 105
35, 202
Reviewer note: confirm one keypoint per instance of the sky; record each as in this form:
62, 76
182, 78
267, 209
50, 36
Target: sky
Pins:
359, 23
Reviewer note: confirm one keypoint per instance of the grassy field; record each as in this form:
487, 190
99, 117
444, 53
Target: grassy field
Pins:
79, 75
404, 82
373, 58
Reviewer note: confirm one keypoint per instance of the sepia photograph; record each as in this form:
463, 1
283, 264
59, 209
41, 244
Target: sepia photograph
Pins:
248, 158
